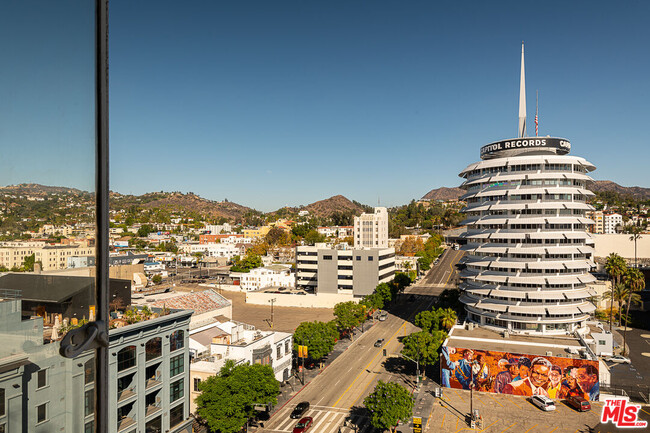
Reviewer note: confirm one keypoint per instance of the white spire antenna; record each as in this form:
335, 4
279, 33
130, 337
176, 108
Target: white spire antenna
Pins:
522, 96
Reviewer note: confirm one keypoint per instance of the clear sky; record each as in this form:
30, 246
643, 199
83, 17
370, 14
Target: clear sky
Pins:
273, 103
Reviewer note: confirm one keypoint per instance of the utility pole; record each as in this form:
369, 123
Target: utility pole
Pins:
272, 301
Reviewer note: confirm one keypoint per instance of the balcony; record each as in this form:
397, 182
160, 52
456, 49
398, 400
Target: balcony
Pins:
151, 410
125, 395
125, 423
152, 383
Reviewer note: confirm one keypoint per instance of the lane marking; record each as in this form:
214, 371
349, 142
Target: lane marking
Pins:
512, 401
508, 427
554, 429
459, 396
530, 428
367, 366
443, 419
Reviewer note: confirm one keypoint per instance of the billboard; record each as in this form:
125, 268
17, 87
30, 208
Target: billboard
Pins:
518, 374
561, 146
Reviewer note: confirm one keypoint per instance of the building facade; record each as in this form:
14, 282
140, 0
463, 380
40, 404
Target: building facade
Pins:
371, 229
321, 269
528, 250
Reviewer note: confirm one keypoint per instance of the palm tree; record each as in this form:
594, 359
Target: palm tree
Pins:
635, 280
615, 267
448, 318
619, 296
635, 232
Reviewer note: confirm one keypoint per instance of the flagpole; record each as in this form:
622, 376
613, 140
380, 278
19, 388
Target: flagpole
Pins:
536, 112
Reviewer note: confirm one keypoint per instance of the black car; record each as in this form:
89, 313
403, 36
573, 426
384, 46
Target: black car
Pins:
300, 409
379, 342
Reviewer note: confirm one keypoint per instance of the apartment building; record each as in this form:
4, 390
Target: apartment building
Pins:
13, 254
56, 256
357, 271
272, 275
216, 229
259, 232
336, 231
242, 343
371, 229
611, 222
41, 391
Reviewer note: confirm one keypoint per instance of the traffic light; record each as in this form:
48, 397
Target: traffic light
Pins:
384, 352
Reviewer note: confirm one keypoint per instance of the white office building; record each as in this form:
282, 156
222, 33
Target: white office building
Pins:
371, 229
610, 222
529, 255
267, 276
341, 270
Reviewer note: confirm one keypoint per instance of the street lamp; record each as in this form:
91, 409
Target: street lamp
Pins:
417, 369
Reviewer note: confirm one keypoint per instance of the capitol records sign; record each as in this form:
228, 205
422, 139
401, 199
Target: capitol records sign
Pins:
562, 146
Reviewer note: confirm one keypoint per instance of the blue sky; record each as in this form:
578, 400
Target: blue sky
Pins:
273, 103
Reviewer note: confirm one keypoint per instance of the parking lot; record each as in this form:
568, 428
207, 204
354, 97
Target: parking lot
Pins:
506, 413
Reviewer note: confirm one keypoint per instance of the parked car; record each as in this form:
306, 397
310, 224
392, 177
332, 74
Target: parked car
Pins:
379, 342
578, 403
303, 425
382, 316
543, 402
618, 359
300, 410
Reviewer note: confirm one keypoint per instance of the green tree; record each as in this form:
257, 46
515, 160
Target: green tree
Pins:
144, 231
312, 237
227, 400
388, 404
428, 320
28, 263
276, 236
635, 281
635, 235
319, 337
250, 261
615, 267
373, 301
401, 281
348, 315
157, 279
385, 292
423, 346
448, 318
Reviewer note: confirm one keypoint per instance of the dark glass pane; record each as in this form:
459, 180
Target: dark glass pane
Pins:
176, 415
153, 348
154, 426
176, 341
41, 412
175, 390
126, 358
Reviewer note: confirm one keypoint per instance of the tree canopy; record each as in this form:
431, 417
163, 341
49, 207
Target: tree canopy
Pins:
388, 404
250, 261
423, 346
348, 315
227, 400
319, 337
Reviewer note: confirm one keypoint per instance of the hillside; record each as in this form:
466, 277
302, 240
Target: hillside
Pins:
637, 192
338, 203
39, 190
443, 193
177, 201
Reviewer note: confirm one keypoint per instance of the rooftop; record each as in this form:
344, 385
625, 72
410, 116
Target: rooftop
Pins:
200, 302
486, 339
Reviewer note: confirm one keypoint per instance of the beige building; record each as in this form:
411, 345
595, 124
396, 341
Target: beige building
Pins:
256, 233
56, 256
371, 229
12, 254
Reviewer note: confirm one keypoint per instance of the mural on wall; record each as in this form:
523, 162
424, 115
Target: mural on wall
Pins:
519, 374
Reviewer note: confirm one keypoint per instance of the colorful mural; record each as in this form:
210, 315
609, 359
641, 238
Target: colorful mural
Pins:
519, 374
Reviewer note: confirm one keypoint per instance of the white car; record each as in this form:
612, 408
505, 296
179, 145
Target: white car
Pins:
618, 359
543, 402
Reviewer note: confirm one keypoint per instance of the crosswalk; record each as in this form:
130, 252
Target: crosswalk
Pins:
326, 420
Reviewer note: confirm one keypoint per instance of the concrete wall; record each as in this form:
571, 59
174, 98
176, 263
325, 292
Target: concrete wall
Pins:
322, 300
328, 271
622, 245
365, 276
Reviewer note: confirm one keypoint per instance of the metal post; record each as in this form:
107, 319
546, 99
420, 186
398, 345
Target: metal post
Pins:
102, 211
303, 370
272, 301
471, 393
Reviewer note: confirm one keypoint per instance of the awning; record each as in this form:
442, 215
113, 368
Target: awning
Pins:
528, 280
587, 307
491, 278
545, 294
563, 309
577, 294
532, 309
508, 294
492, 306
483, 292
